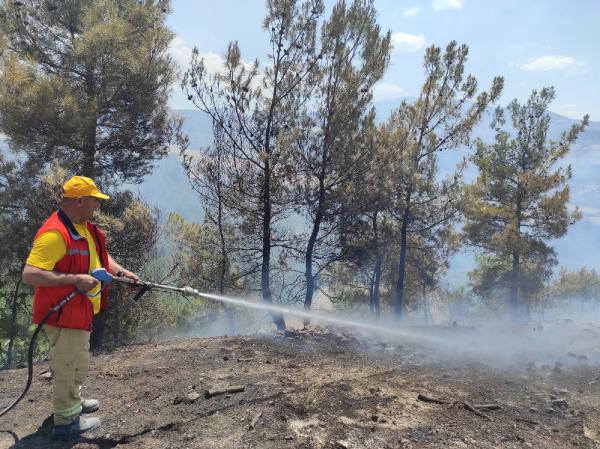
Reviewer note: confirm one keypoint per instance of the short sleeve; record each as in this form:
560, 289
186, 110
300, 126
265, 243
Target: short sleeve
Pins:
47, 250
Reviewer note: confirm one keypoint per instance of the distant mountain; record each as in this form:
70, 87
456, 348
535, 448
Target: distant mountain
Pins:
167, 187
169, 190
581, 246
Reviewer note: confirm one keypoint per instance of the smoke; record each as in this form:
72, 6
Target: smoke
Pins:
547, 345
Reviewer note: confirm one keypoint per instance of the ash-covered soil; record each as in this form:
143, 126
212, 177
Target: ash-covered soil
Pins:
315, 389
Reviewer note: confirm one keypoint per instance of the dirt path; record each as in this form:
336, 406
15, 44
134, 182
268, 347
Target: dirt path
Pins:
312, 390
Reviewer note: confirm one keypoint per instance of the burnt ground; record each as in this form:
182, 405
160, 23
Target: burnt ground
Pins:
313, 389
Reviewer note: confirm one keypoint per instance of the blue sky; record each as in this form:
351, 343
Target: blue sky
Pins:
532, 43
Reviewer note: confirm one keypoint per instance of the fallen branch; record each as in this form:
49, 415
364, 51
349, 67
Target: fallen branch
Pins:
487, 407
219, 391
472, 408
255, 420
424, 398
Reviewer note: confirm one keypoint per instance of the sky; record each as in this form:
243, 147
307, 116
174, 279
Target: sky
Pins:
532, 43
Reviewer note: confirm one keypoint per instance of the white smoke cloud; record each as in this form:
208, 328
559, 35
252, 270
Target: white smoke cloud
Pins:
440, 5
385, 91
408, 42
548, 63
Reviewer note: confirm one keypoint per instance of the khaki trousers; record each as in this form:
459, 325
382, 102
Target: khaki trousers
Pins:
70, 360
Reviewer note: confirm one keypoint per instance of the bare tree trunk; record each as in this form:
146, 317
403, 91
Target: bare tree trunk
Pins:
426, 311
266, 248
377, 269
99, 325
308, 270
89, 149
88, 165
515, 303
401, 266
514, 287
371, 292
224, 265
89, 170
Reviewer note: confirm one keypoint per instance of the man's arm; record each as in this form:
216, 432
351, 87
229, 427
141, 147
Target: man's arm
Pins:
115, 269
37, 277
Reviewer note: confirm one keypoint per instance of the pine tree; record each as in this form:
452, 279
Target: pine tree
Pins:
441, 118
25, 203
519, 200
253, 111
334, 130
366, 231
86, 83
577, 289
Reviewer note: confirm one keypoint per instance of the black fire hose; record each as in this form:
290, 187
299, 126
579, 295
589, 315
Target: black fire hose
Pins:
99, 274
106, 278
37, 330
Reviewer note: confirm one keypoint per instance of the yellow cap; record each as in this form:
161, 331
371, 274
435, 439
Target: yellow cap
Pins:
79, 186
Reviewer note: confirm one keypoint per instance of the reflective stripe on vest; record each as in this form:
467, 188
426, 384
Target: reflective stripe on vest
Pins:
81, 252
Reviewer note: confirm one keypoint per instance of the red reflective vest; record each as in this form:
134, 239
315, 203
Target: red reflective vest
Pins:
77, 313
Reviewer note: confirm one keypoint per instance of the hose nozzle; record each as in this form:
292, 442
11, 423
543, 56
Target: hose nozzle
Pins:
190, 291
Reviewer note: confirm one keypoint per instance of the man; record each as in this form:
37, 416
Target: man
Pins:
66, 249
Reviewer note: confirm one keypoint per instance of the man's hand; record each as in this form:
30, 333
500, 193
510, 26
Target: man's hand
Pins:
119, 271
130, 275
85, 282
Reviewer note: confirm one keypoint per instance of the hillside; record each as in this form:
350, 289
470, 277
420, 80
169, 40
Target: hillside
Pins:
322, 389
577, 249
168, 188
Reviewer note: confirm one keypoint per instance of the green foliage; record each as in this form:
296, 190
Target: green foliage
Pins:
198, 255
519, 200
131, 228
25, 202
83, 90
441, 118
491, 279
252, 112
86, 83
330, 141
580, 289
206, 259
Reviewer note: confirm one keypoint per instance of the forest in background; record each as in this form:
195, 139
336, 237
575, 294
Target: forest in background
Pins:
304, 191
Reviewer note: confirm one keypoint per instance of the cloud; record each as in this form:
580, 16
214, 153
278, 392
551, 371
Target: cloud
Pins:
589, 210
408, 42
569, 110
386, 91
547, 63
411, 12
591, 214
586, 188
182, 54
213, 63
439, 5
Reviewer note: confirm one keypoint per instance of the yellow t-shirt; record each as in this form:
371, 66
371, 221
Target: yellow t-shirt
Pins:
50, 247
